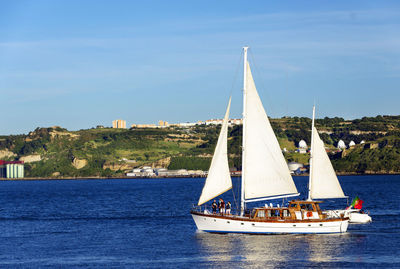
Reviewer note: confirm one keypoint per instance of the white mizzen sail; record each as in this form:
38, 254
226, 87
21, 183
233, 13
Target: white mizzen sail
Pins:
323, 180
219, 179
266, 174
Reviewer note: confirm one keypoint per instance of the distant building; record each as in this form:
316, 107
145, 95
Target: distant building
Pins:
162, 123
294, 166
144, 126
147, 171
119, 124
219, 121
301, 150
302, 144
14, 169
341, 145
302, 147
236, 121
172, 173
214, 122
186, 124
352, 144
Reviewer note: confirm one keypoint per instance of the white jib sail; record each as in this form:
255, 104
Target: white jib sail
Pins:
219, 179
265, 168
325, 183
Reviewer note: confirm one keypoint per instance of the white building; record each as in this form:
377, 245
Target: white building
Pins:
145, 171
173, 173
214, 122
294, 166
341, 145
302, 144
219, 121
13, 169
235, 121
186, 124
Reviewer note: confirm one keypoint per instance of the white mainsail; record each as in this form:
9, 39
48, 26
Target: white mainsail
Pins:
219, 179
323, 180
266, 174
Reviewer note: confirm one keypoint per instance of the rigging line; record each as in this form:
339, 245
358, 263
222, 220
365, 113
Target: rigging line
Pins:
234, 199
234, 81
304, 190
230, 94
261, 83
236, 74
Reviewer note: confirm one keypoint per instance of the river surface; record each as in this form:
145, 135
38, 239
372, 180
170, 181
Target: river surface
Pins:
145, 223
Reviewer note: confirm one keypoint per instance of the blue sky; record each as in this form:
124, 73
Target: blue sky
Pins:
78, 64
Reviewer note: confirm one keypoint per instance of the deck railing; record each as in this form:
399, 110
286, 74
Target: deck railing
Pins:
208, 210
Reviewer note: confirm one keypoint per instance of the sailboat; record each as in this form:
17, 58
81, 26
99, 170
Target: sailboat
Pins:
265, 176
323, 182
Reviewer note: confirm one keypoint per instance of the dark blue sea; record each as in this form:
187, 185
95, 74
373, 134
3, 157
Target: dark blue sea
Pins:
145, 223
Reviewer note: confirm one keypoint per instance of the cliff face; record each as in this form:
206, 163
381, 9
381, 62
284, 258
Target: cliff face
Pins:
31, 158
162, 163
6, 154
79, 164
119, 166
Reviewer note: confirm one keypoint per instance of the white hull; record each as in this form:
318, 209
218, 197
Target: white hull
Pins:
218, 224
353, 214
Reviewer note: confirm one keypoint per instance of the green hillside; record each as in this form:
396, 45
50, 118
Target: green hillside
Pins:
57, 152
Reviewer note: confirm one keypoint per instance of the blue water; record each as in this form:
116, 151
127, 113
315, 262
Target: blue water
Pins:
145, 223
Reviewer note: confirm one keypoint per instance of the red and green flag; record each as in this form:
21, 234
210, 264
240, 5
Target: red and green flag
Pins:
357, 203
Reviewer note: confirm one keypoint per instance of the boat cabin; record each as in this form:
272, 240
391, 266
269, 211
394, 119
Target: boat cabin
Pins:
297, 210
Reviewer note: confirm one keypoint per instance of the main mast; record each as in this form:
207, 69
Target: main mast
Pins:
242, 198
311, 155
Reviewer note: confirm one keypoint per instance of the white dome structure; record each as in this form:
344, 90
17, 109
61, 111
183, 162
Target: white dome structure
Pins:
352, 144
293, 166
362, 142
302, 144
341, 144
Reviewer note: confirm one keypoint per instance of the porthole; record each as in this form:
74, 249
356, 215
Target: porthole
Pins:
215, 220
320, 224
294, 225
253, 224
242, 223
228, 222
309, 225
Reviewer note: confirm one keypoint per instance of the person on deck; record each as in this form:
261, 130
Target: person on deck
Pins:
214, 207
221, 206
228, 208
